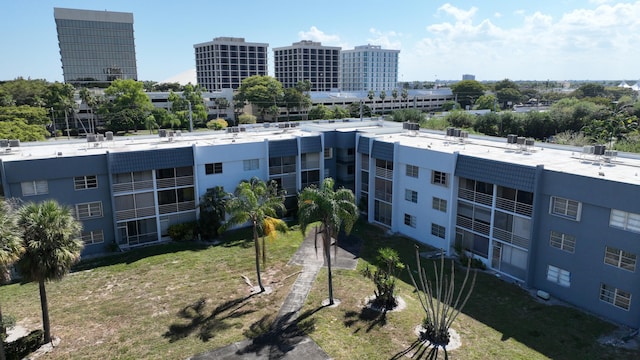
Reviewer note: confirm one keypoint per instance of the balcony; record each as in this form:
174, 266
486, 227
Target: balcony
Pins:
510, 238
384, 173
514, 206
174, 182
470, 224
132, 186
476, 197
135, 213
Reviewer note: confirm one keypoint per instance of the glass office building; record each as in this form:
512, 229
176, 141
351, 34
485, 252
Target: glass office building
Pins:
96, 47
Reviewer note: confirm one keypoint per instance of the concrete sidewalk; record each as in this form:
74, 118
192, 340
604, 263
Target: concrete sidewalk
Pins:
285, 340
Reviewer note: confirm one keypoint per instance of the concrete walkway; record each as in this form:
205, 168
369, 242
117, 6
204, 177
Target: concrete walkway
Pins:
285, 340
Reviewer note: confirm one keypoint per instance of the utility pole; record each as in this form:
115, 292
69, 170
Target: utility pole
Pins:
53, 120
190, 117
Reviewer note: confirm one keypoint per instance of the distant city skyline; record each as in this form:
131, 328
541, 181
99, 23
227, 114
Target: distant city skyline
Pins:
556, 40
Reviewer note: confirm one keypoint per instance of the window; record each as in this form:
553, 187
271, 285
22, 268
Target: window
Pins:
92, 237
625, 220
38, 187
620, 258
559, 276
565, 208
615, 296
85, 182
438, 230
215, 168
411, 195
412, 171
439, 178
328, 153
410, 220
439, 204
562, 241
252, 164
89, 210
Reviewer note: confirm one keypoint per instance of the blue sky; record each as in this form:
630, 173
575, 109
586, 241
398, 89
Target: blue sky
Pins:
494, 40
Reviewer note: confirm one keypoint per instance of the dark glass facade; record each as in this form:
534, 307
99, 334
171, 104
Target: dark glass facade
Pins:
96, 47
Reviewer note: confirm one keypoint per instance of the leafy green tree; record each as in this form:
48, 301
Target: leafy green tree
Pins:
354, 110
150, 123
274, 111
488, 124
28, 114
371, 94
11, 248
320, 112
411, 115
467, 91
213, 207
246, 119
508, 95
217, 124
19, 129
590, 90
52, 246
394, 95
25, 92
333, 209
259, 204
91, 101
460, 118
262, 91
382, 96
60, 98
486, 102
505, 84
338, 112
128, 105
405, 94
450, 105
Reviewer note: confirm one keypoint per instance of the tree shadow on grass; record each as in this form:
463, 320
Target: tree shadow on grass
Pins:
205, 325
368, 315
279, 336
421, 350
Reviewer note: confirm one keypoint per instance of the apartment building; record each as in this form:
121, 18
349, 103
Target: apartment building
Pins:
225, 61
369, 67
96, 47
308, 60
564, 220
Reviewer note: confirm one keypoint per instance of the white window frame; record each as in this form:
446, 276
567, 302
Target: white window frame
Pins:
328, 153
92, 237
251, 164
35, 187
439, 204
564, 208
619, 258
616, 297
412, 171
410, 220
85, 182
562, 241
411, 195
214, 170
90, 210
439, 178
558, 276
438, 230
625, 220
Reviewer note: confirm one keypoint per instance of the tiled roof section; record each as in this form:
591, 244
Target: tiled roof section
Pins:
363, 145
287, 147
310, 144
510, 175
121, 162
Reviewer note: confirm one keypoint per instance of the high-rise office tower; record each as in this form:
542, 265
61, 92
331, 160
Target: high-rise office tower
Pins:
224, 62
369, 67
308, 60
96, 47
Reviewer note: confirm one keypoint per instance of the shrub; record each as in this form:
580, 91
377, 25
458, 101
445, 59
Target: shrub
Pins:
183, 232
384, 278
246, 119
217, 124
24, 346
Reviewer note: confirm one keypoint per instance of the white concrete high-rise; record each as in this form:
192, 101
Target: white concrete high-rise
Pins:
224, 62
369, 67
308, 60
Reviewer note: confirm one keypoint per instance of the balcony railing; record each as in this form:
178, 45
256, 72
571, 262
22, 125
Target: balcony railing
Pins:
133, 186
384, 196
176, 207
511, 238
476, 226
384, 173
174, 182
477, 197
514, 206
135, 213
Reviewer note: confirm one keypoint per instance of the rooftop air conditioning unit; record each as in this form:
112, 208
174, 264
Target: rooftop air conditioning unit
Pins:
109, 135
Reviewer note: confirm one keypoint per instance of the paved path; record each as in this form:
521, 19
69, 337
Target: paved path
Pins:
285, 340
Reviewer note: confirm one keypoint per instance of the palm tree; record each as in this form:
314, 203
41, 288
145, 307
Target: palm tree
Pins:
333, 209
212, 210
52, 246
258, 203
10, 251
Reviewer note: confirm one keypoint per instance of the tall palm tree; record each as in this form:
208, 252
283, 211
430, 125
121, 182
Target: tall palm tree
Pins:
333, 208
259, 203
52, 246
212, 210
10, 251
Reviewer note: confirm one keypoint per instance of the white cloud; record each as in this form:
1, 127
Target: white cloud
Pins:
497, 15
316, 34
388, 40
579, 44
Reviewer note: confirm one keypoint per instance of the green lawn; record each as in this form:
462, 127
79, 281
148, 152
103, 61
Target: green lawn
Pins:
175, 300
